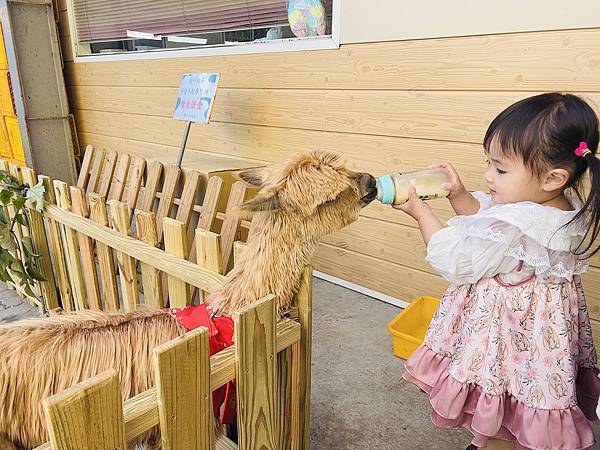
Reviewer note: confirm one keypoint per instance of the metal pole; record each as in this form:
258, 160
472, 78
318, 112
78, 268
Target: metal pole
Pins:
182, 148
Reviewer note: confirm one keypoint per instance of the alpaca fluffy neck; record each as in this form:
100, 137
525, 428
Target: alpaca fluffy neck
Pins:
279, 246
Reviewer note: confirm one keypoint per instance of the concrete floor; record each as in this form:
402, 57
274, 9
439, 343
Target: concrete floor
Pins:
359, 399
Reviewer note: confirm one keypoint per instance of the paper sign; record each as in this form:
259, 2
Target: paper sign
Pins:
196, 97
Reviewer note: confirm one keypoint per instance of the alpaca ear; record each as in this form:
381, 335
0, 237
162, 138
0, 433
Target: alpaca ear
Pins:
262, 202
253, 177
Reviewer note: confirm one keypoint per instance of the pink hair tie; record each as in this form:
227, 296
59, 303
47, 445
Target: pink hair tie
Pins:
582, 150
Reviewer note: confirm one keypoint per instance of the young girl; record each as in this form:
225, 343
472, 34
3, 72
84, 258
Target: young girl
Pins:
509, 352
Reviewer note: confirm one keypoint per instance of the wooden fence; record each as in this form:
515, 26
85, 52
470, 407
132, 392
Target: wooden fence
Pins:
80, 236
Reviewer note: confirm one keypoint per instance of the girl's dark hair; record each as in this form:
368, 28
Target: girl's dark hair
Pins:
544, 131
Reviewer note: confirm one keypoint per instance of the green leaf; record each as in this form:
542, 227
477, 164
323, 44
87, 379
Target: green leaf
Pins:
4, 276
18, 202
20, 218
3, 217
17, 267
6, 240
28, 248
5, 196
34, 273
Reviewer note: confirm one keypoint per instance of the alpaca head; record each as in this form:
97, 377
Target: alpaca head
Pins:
315, 188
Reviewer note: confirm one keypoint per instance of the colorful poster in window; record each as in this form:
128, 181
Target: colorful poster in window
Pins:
196, 97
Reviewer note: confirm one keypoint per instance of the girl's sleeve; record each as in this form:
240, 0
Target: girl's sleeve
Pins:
465, 256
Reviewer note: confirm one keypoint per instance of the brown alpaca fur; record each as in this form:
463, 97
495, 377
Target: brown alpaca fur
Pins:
299, 202
40, 357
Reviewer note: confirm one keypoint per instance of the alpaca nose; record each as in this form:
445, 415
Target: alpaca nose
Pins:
368, 186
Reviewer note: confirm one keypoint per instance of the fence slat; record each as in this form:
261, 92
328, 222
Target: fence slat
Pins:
208, 252
232, 221
145, 224
127, 270
175, 243
87, 416
56, 249
40, 243
86, 251
209, 205
188, 196
255, 375
303, 301
152, 180
189, 272
134, 182
86, 164
106, 266
95, 171
208, 210
171, 178
119, 177
182, 368
108, 167
71, 247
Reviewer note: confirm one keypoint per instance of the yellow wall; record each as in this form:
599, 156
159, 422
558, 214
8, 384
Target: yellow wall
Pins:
387, 106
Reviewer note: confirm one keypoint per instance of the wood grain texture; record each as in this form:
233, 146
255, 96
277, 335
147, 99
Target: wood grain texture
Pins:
255, 375
127, 264
39, 237
87, 416
538, 61
176, 244
71, 247
145, 224
183, 389
86, 251
106, 267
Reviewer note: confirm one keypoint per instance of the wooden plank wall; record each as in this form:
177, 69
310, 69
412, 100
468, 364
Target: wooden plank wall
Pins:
387, 106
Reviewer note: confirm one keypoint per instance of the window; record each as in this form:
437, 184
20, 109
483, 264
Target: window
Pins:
139, 26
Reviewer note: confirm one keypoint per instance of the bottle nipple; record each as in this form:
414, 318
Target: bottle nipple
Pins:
386, 191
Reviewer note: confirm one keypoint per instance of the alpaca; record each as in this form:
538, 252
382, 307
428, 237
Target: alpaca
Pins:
298, 202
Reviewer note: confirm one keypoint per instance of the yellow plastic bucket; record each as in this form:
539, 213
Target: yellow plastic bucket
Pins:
409, 327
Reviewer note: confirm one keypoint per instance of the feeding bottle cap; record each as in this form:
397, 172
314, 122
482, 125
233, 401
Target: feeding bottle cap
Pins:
385, 190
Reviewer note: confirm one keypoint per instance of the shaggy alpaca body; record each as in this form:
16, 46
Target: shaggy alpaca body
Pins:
298, 202
40, 357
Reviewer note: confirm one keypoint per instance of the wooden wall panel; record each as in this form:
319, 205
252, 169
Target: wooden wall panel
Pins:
540, 61
441, 115
389, 106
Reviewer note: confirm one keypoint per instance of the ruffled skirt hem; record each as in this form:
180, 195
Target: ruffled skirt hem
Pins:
464, 405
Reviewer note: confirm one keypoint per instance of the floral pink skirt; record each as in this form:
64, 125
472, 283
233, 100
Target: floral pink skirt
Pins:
511, 362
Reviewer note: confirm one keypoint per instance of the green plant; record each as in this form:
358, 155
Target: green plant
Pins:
18, 261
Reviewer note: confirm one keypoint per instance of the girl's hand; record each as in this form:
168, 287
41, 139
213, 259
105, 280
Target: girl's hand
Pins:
414, 207
455, 186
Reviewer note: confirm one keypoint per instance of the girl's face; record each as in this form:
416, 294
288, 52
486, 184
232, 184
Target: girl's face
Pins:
509, 181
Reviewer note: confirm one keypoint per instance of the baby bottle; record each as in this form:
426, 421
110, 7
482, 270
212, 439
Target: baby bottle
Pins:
393, 188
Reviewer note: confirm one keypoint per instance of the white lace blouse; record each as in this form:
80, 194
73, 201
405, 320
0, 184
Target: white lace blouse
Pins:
517, 239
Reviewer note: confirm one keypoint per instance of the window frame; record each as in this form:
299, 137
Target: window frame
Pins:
241, 48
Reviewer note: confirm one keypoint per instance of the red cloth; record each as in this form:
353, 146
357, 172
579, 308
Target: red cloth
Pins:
220, 336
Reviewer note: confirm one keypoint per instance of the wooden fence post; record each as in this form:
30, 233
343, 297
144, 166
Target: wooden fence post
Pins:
303, 301
40, 243
256, 375
86, 250
56, 249
145, 225
87, 416
182, 368
71, 246
175, 243
208, 253
106, 264
127, 270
